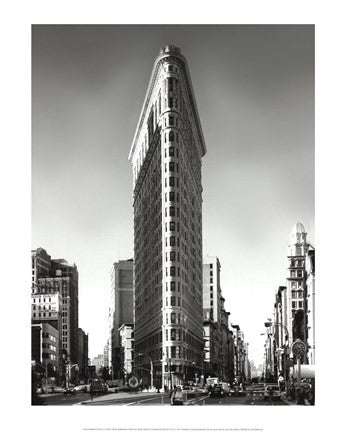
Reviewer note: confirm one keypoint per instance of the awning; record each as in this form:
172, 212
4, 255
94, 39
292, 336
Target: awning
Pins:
307, 371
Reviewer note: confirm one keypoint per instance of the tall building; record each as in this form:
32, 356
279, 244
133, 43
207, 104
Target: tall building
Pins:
310, 305
167, 198
218, 350
83, 354
56, 279
297, 304
121, 310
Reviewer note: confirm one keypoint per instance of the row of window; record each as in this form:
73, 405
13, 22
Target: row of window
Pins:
49, 336
40, 300
295, 304
43, 315
41, 307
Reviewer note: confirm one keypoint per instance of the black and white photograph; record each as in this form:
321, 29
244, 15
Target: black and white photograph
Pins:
171, 185
173, 256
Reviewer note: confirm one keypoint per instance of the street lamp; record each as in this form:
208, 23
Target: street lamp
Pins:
69, 373
151, 363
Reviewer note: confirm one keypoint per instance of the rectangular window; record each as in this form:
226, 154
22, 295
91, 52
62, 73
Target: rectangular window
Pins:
171, 181
172, 166
171, 151
172, 241
172, 211
172, 301
171, 121
173, 334
294, 304
172, 196
170, 102
172, 271
172, 286
300, 304
172, 226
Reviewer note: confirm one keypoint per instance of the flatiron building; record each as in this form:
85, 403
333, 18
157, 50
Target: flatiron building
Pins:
166, 158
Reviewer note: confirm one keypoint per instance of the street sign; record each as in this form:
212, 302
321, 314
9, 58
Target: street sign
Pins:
298, 348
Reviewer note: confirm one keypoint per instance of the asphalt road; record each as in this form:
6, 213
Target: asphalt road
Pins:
153, 399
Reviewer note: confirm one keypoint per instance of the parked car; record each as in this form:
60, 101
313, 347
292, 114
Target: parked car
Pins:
82, 388
272, 391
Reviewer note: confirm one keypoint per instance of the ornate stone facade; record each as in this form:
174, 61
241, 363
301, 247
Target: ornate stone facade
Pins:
166, 162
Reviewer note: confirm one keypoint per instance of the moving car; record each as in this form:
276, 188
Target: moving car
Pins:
98, 386
258, 389
217, 390
189, 390
82, 388
272, 391
200, 390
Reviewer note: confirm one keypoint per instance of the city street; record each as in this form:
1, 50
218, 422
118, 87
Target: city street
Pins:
153, 399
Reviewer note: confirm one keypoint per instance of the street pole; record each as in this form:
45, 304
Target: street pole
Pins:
151, 372
46, 378
299, 373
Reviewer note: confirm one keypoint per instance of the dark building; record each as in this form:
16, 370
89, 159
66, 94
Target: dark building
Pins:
121, 310
83, 354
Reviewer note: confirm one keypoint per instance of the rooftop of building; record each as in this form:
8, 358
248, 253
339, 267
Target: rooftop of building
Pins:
298, 228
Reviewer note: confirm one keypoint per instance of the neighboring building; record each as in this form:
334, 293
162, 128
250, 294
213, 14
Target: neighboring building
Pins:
83, 354
40, 264
56, 279
46, 308
45, 349
166, 158
296, 313
106, 355
126, 341
98, 362
211, 287
121, 310
212, 315
281, 366
218, 338
310, 305
240, 355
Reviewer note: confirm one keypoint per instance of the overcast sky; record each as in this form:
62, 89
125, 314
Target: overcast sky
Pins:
254, 87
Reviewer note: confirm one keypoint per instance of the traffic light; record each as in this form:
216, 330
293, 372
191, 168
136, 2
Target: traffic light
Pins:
92, 370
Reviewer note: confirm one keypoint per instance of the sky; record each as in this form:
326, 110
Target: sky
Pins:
254, 88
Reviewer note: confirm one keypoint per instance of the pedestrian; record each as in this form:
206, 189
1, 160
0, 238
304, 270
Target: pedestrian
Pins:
172, 395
